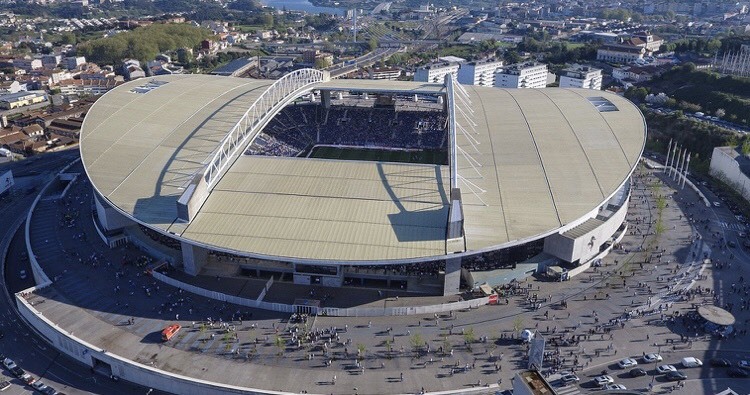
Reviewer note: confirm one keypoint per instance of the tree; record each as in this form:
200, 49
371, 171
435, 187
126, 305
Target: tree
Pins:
511, 57
372, 44
720, 113
68, 38
280, 344
469, 337
361, 349
321, 63
185, 56
417, 341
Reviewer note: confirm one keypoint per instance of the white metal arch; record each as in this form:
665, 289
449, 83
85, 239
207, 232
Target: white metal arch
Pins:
277, 95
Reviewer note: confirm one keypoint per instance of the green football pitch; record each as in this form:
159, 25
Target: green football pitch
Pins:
435, 157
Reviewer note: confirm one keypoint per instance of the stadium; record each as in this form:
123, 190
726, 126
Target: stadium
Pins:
423, 187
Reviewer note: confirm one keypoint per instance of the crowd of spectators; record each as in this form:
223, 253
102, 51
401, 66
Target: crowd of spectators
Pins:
297, 128
161, 239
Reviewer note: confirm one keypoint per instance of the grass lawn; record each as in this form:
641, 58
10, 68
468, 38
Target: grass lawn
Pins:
437, 157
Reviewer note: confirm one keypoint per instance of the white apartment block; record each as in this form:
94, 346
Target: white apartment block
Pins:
522, 75
385, 73
436, 72
581, 77
479, 73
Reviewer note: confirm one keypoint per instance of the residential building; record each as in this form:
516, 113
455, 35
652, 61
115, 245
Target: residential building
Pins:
479, 72
650, 41
522, 75
131, 68
236, 67
581, 77
385, 73
73, 62
93, 86
7, 87
27, 64
315, 56
732, 166
436, 72
51, 61
620, 53
20, 99
70, 128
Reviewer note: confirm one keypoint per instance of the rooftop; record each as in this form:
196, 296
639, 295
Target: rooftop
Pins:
555, 159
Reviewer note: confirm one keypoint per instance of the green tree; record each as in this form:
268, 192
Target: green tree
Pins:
469, 337
417, 341
68, 38
321, 63
280, 344
372, 44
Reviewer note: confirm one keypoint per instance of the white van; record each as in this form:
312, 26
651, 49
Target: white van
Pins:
691, 362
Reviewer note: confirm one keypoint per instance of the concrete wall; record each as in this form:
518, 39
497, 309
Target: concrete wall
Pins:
725, 168
193, 198
109, 218
126, 369
332, 311
193, 258
582, 249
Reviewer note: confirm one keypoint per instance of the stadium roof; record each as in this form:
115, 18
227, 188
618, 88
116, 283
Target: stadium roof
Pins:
547, 157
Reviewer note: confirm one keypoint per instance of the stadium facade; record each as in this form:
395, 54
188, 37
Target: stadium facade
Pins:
427, 187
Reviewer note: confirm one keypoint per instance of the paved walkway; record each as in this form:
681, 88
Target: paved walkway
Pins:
95, 294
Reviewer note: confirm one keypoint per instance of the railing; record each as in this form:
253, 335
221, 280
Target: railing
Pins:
234, 142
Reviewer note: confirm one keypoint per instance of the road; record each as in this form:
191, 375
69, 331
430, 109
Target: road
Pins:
29, 350
362, 61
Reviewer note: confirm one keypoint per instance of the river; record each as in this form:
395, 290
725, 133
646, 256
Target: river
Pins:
301, 5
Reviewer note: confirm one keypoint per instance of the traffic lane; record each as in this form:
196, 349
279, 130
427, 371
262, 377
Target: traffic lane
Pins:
30, 351
40, 359
705, 372
17, 260
35, 165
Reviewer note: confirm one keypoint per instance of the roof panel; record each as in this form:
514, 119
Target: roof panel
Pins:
543, 158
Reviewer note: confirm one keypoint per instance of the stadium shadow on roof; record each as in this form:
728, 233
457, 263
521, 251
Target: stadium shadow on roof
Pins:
422, 225
156, 210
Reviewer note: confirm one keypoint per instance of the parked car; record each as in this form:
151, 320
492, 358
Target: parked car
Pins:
615, 387
637, 372
720, 362
651, 358
17, 372
627, 363
28, 379
691, 362
39, 386
603, 380
676, 376
744, 364
666, 369
9, 363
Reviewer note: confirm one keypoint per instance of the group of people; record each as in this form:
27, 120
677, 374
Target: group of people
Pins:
295, 128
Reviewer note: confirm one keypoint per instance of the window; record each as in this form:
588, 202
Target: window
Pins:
602, 104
